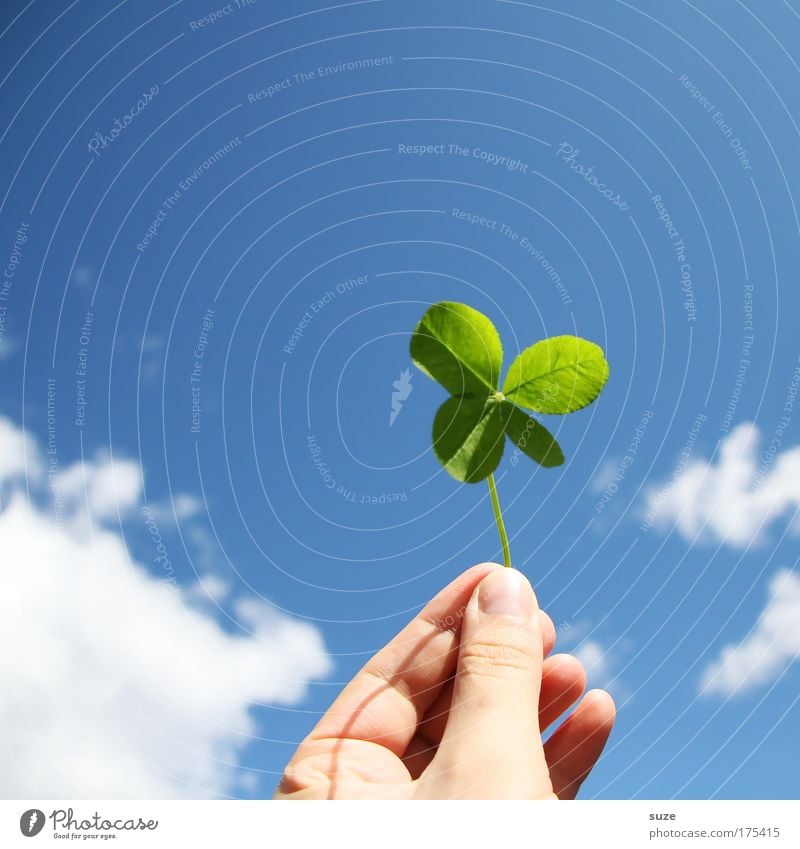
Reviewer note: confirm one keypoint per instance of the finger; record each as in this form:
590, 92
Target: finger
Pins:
418, 756
387, 699
548, 633
563, 682
491, 747
574, 748
433, 723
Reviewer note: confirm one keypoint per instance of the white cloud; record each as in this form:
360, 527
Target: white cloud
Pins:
19, 457
181, 506
593, 656
107, 488
597, 663
601, 664
113, 684
766, 651
205, 549
733, 500
186, 506
605, 475
8, 346
210, 588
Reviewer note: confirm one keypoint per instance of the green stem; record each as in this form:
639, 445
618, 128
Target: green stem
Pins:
498, 517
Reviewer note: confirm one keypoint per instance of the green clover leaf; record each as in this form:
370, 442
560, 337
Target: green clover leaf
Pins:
468, 437
460, 348
557, 375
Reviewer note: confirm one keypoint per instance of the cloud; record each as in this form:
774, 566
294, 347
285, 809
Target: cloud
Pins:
111, 489
605, 475
186, 506
598, 663
107, 488
19, 457
8, 346
211, 588
772, 644
116, 684
592, 655
734, 500
181, 506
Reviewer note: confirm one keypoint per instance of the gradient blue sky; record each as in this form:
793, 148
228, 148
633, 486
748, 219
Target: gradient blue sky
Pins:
697, 103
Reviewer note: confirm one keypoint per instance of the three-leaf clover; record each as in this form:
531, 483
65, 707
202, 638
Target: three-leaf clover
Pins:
460, 348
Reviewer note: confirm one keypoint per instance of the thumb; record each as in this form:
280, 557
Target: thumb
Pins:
492, 744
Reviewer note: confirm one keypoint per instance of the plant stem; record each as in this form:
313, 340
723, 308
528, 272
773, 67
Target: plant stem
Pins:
498, 517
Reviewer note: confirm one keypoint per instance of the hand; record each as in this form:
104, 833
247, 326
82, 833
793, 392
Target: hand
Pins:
454, 706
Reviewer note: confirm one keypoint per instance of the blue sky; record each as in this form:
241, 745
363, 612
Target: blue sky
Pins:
218, 291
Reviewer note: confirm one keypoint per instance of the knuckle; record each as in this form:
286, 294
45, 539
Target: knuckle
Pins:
296, 778
488, 658
306, 777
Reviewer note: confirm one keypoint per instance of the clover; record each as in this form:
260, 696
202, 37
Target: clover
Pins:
460, 348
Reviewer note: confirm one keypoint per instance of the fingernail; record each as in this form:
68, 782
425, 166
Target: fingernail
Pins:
506, 592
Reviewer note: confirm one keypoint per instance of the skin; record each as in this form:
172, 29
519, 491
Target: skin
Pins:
455, 705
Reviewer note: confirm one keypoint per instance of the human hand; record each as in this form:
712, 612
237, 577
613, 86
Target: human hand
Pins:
454, 706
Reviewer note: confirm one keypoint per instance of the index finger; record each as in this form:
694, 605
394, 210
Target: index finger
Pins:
387, 699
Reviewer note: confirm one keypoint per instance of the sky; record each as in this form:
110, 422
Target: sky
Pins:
219, 225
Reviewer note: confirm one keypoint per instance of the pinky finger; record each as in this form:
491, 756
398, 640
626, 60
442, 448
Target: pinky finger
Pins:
574, 748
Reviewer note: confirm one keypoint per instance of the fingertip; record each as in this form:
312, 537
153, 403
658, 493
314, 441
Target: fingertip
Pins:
508, 593
602, 705
475, 574
602, 695
469, 580
563, 683
568, 668
548, 632
488, 565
